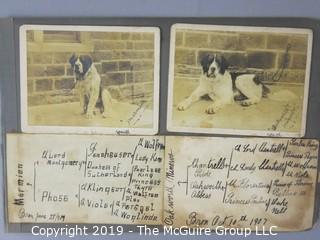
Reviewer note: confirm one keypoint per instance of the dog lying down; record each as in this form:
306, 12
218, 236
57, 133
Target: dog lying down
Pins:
224, 87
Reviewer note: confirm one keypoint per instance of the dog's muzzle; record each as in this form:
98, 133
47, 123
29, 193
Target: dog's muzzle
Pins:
211, 75
77, 68
78, 72
211, 72
79, 76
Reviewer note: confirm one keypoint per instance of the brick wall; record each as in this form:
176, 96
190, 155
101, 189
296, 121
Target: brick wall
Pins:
246, 52
123, 60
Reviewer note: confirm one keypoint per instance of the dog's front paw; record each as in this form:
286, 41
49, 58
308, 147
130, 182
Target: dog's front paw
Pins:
246, 103
89, 115
212, 109
104, 114
83, 112
183, 105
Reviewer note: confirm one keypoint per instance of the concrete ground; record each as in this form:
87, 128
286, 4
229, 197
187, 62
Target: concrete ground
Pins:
120, 115
281, 114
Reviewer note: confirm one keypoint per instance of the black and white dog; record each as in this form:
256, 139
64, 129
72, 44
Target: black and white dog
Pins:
224, 87
92, 94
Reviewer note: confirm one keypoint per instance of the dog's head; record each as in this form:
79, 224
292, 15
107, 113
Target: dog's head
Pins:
214, 64
80, 65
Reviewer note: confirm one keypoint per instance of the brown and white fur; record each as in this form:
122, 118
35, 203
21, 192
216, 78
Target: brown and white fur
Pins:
92, 94
223, 87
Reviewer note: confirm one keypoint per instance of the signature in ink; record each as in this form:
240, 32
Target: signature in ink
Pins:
137, 114
286, 117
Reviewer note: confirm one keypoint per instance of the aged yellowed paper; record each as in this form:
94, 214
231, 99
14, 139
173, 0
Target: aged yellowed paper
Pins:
84, 179
240, 183
243, 80
89, 79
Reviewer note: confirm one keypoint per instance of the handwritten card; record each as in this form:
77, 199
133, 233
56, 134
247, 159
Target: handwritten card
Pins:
255, 183
85, 179
240, 182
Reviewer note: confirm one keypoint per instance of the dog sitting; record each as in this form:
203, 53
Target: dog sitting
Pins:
92, 94
223, 87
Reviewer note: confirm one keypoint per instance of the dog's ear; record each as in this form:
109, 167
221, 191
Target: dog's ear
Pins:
72, 59
223, 64
86, 61
206, 61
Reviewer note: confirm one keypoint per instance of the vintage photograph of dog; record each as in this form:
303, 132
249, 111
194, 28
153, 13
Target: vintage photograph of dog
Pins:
239, 80
89, 79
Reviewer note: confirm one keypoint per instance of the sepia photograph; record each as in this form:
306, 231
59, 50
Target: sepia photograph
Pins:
89, 79
239, 80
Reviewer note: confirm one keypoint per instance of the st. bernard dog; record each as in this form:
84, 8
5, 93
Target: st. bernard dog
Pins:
224, 87
92, 94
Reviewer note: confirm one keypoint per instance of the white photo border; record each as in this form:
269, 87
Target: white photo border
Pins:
179, 26
26, 128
